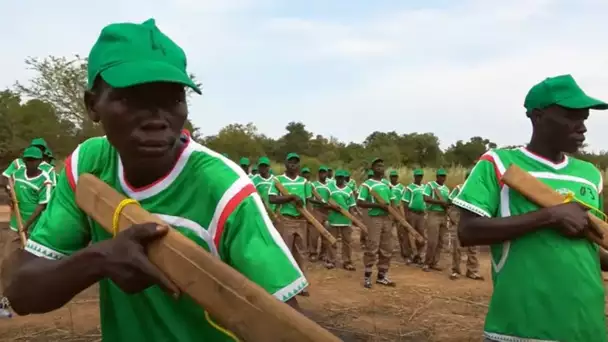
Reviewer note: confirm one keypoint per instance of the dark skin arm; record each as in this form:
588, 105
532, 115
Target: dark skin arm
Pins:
570, 219
275, 199
370, 205
604, 260
431, 200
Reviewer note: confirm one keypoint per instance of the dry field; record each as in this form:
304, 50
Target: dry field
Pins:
423, 307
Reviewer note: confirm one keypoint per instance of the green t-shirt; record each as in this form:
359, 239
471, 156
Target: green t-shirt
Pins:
298, 186
30, 192
322, 190
546, 286
397, 190
18, 164
262, 185
352, 184
345, 198
206, 198
444, 191
413, 195
379, 187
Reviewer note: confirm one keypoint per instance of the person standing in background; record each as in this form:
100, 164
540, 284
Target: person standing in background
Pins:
244, 163
320, 213
414, 211
340, 225
436, 196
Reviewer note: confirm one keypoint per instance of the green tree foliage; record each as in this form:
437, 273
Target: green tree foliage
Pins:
467, 153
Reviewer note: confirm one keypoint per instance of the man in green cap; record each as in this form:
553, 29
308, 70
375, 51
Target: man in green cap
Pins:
320, 212
33, 191
340, 225
137, 86
263, 181
305, 172
436, 195
330, 175
457, 249
244, 163
363, 236
293, 224
18, 163
547, 278
414, 209
254, 170
351, 182
379, 242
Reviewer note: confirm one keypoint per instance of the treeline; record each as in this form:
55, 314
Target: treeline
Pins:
50, 105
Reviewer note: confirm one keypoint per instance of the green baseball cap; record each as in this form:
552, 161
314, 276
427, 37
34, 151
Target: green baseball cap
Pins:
49, 153
370, 172
254, 168
341, 173
32, 152
347, 173
39, 142
393, 173
563, 91
292, 155
305, 170
418, 172
323, 168
441, 172
263, 161
129, 54
244, 161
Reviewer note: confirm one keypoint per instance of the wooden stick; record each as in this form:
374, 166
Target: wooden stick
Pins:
338, 208
233, 301
544, 196
307, 215
17, 212
393, 212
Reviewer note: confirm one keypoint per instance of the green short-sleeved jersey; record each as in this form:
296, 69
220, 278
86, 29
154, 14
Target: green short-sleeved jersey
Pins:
546, 286
379, 187
18, 163
298, 186
345, 198
444, 191
352, 184
206, 198
397, 190
413, 196
262, 185
30, 192
322, 190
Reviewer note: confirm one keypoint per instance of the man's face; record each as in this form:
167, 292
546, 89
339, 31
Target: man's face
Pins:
441, 179
330, 173
562, 127
142, 122
322, 176
394, 179
340, 180
292, 166
418, 179
245, 168
306, 175
31, 163
264, 169
378, 168
254, 171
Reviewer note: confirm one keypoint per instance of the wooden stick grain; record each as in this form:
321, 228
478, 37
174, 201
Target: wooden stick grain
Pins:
396, 215
17, 212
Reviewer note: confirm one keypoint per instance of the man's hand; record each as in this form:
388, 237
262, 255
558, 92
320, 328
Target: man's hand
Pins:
297, 200
126, 262
571, 219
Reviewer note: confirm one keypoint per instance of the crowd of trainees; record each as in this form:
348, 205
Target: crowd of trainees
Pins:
427, 208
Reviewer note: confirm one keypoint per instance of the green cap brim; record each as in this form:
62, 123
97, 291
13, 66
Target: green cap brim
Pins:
581, 102
130, 74
32, 154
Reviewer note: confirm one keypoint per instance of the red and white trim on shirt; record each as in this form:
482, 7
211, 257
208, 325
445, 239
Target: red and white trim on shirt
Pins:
71, 168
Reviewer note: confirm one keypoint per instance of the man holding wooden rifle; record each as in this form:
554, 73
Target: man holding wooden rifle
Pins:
436, 196
415, 210
320, 212
340, 225
397, 189
547, 278
379, 243
363, 236
137, 81
263, 181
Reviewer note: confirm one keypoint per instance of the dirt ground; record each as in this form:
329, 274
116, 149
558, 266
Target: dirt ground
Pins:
423, 307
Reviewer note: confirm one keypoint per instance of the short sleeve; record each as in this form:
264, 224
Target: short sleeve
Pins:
351, 202
251, 245
480, 193
453, 194
308, 189
407, 195
363, 192
272, 190
62, 228
428, 190
12, 167
44, 195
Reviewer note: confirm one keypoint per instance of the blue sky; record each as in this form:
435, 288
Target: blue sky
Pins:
347, 68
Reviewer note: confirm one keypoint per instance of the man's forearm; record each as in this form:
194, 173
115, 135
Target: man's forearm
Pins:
39, 209
40, 285
279, 199
603, 260
369, 205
